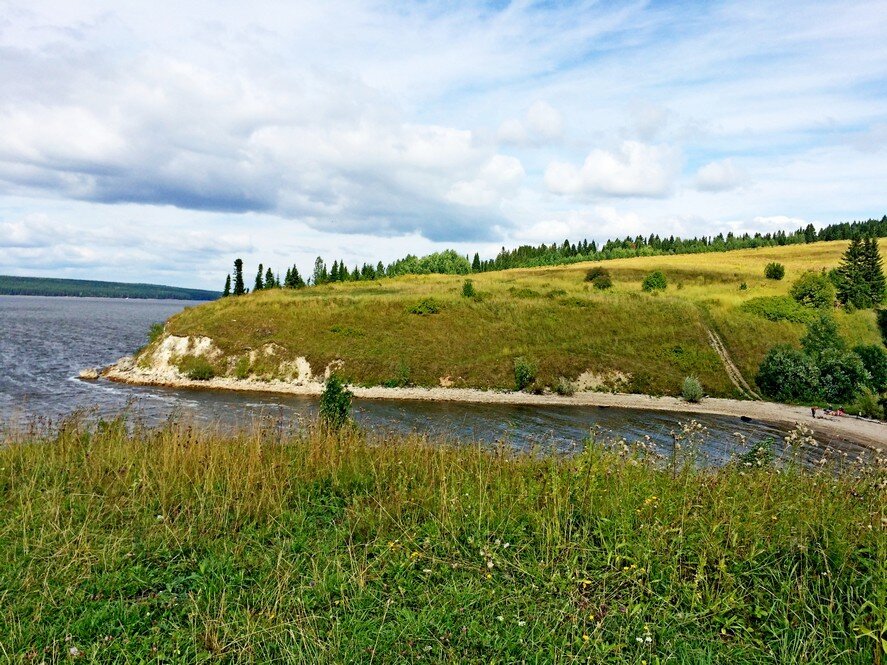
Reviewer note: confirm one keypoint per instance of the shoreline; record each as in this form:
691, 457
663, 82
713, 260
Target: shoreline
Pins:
835, 429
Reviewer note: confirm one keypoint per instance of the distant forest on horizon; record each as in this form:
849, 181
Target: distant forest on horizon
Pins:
11, 285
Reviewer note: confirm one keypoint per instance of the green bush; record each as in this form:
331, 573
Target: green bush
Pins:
468, 289
787, 374
241, 369
774, 270
335, 404
778, 308
524, 373
596, 272
868, 405
813, 289
691, 389
655, 281
565, 387
603, 282
425, 306
822, 336
196, 368
841, 375
874, 359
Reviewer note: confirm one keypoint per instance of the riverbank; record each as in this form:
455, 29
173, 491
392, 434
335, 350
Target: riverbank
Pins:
831, 430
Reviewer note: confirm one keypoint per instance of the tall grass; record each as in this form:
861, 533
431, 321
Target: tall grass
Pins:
182, 544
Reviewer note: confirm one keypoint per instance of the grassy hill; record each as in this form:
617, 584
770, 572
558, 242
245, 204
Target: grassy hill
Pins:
623, 337
47, 286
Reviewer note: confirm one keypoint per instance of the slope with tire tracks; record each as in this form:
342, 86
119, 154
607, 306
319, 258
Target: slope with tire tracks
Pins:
732, 370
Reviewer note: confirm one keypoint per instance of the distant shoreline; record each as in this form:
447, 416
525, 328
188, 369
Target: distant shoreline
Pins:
53, 287
833, 429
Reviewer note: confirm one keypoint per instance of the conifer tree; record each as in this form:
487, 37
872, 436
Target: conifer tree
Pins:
852, 284
321, 275
227, 291
810, 234
298, 282
259, 285
288, 278
239, 288
380, 270
874, 270
475, 265
270, 282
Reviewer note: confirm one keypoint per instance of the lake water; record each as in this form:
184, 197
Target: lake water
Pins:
45, 342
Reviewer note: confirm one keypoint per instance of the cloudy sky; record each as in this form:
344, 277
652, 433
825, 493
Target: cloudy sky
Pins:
158, 141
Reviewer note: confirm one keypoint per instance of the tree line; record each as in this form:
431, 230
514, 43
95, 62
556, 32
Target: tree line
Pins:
450, 262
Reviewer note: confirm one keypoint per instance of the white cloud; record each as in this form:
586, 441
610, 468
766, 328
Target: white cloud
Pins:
365, 128
498, 179
720, 176
635, 169
542, 124
545, 121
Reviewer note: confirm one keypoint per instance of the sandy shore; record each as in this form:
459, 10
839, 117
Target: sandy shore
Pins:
828, 429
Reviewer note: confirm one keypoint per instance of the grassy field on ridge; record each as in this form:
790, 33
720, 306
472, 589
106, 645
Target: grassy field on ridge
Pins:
548, 315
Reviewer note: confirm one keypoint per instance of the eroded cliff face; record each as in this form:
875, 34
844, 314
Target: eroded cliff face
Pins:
176, 360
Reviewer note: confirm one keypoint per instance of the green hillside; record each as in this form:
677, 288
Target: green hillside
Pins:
421, 330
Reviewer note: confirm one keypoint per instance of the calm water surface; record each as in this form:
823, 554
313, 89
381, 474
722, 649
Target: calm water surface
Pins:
45, 342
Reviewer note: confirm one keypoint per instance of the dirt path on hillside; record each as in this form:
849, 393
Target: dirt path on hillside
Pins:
828, 430
732, 370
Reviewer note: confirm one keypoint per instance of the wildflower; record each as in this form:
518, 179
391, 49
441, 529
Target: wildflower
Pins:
521, 623
585, 638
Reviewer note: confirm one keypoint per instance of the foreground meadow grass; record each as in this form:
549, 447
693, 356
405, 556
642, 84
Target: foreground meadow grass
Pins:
123, 544
550, 316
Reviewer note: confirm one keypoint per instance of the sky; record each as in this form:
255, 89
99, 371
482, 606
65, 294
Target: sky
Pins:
156, 142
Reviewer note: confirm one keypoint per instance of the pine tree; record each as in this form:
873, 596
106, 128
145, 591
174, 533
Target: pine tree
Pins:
239, 288
874, 270
380, 270
259, 285
288, 278
298, 282
853, 287
270, 282
227, 291
475, 265
810, 233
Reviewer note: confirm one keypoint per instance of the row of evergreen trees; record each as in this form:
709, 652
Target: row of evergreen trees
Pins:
264, 280
528, 256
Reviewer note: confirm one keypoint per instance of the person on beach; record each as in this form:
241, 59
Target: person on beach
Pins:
813, 412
